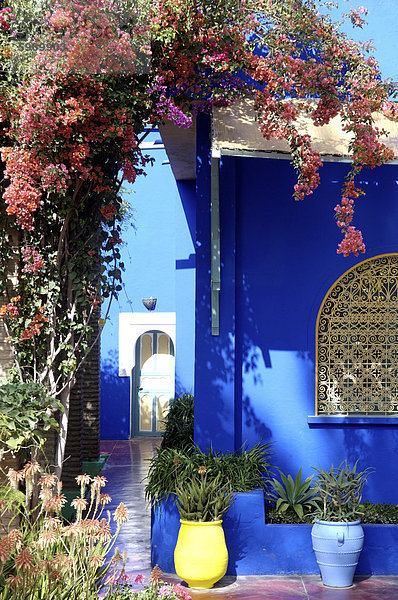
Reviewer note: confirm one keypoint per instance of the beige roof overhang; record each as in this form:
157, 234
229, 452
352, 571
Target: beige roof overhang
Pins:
180, 146
235, 131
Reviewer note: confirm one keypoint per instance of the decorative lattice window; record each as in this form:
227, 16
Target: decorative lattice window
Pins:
357, 341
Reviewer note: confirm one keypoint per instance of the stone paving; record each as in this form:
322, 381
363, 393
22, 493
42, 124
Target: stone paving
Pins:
125, 471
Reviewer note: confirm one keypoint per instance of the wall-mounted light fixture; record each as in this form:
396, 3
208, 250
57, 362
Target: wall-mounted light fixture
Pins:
149, 303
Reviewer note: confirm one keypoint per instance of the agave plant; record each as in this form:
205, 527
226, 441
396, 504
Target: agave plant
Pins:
293, 494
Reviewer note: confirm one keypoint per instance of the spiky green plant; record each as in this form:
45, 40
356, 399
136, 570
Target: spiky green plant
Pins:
242, 471
202, 500
340, 492
293, 494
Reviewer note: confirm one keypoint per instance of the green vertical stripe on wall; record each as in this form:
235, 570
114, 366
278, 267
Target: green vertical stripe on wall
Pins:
215, 248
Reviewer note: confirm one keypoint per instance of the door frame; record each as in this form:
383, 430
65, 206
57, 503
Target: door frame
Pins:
135, 381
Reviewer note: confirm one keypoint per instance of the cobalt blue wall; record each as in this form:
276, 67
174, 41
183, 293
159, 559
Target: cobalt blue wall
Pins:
159, 256
258, 548
286, 262
257, 379
214, 359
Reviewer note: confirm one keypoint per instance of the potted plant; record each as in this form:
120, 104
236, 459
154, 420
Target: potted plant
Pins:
201, 555
337, 535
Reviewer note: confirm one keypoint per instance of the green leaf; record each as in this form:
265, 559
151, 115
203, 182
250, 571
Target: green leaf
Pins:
13, 443
299, 510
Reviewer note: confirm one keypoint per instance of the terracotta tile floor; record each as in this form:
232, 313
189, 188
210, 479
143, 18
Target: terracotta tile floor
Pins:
125, 470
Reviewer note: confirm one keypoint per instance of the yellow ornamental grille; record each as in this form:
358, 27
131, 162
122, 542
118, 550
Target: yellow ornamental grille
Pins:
357, 341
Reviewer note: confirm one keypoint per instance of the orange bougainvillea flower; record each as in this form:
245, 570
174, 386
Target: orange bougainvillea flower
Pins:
35, 325
8, 310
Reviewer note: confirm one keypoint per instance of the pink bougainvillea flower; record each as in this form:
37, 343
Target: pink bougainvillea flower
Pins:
108, 211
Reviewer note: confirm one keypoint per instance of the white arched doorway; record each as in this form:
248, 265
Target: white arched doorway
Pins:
152, 383
146, 356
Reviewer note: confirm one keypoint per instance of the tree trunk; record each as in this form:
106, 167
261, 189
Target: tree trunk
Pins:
63, 428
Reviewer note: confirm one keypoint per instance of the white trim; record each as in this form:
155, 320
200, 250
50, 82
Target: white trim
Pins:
132, 325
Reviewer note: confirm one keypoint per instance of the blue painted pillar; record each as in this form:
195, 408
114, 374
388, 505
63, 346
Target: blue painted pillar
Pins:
215, 354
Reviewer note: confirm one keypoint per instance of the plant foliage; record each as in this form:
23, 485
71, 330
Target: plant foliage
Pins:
369, 512
201, 500
27, 412
241, 471
287, 518
293, 495
179, 425
340, 492
383, 512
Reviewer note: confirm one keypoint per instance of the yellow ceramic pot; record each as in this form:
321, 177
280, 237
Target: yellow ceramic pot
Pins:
201, 555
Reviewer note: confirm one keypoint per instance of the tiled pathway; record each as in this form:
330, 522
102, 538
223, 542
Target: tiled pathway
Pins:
125, 470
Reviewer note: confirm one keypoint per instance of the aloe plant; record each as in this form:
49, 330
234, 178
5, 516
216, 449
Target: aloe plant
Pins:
340, 491
203, 500
293, 494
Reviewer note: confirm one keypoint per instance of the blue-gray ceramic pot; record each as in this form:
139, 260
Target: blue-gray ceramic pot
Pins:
337, 547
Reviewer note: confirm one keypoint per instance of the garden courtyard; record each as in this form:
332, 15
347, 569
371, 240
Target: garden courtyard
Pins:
125, 471
238, 346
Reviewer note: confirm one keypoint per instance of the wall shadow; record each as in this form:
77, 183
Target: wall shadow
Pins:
285, 261
115, 400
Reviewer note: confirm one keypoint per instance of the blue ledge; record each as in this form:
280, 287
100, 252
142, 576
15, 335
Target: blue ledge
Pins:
325, 421
259, 548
